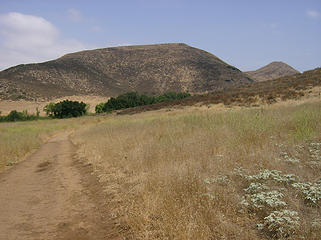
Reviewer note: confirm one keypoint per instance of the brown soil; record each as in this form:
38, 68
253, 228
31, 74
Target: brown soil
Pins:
53, 195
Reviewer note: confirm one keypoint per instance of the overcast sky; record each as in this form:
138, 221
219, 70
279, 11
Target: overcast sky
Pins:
245, 33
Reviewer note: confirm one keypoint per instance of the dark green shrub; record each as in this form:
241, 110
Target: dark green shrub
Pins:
14, 116
169, 96
100, 108
67, 109
127, 100
133, 99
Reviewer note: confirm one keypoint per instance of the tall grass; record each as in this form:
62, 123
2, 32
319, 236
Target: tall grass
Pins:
156, 168
171, 175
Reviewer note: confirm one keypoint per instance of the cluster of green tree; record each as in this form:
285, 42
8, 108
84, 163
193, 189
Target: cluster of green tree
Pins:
14, 116
66, 109
133, 99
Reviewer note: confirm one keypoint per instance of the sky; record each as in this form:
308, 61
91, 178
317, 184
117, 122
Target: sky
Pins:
247, 34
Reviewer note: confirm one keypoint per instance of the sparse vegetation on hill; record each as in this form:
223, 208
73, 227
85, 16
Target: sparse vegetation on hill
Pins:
272, 71
111, 71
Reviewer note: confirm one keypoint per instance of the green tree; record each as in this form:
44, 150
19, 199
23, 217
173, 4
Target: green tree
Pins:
37, 112
100, 108
49, 109
133, 99
15, 116
67, 109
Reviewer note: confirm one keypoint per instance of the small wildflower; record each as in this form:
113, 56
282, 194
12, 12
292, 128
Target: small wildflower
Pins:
260, 226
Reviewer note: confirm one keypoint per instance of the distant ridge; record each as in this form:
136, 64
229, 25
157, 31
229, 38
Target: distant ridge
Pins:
111, 71
272, 71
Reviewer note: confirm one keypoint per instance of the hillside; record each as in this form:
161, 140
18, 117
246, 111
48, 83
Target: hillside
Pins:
111, 71
272, 71
266, 92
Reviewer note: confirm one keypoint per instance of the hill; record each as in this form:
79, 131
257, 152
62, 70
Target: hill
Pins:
272, 71
111, 71
253, 94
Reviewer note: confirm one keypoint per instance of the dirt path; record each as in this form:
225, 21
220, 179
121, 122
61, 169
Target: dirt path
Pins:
52, 195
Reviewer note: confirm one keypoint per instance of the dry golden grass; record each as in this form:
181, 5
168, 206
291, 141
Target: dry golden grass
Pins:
171, 174
156, 167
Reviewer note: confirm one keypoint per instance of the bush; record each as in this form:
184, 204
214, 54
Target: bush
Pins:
283, 223
14, 116
66, 109
49, 109
127, 100
100, 108
310, 191
171, 96
133, 99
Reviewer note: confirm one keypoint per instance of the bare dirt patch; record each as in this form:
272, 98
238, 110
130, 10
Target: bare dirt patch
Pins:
53, 195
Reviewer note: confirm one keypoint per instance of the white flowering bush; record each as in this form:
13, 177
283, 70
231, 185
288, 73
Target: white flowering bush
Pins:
310, 191
315, 153
263, 195
286, 158
239, 171
263, 200
282, 223
266, 174
255, 187
273, 175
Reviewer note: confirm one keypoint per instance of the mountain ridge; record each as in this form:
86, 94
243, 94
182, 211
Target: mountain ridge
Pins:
110, 71
271, 71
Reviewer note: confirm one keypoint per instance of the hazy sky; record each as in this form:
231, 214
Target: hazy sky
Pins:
245, 33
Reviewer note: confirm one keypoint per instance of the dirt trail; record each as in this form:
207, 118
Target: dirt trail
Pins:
52, 195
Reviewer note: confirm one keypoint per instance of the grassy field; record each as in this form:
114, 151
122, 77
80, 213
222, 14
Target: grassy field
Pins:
198, 172
208, 174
